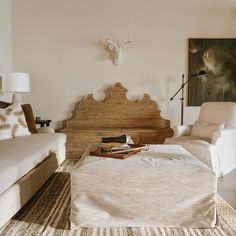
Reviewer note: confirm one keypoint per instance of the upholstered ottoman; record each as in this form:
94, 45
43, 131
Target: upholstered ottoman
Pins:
165, 186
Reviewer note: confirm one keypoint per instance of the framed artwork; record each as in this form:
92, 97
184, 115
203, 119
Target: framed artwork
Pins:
218, 58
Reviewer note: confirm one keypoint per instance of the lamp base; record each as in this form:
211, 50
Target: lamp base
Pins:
16, 98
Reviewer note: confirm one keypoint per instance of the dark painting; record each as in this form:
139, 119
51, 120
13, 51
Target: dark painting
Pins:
216, 57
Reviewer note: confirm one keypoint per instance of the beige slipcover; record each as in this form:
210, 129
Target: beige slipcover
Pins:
25, 164
20, 155
218, 152
165, 186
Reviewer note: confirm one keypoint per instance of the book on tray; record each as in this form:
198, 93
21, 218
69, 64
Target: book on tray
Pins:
117, 147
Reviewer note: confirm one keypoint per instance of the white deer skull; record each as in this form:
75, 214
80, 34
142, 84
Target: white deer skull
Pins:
116, 51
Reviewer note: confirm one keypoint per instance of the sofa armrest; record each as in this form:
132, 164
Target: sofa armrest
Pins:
46, 130
182, 130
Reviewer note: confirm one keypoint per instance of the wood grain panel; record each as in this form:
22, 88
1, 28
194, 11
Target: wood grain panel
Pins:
113, 116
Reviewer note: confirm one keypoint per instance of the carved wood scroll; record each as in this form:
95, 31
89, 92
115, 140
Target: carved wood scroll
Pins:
116, 111
114, 115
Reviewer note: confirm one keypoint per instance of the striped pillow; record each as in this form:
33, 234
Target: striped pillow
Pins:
12, 122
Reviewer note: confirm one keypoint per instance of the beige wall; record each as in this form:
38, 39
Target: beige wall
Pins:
56, 41
5, 42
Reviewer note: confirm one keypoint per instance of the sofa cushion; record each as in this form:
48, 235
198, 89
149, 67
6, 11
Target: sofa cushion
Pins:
19, 155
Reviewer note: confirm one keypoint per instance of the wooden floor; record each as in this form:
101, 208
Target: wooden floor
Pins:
227, 188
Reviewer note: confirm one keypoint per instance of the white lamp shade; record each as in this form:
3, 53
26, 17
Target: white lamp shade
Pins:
15, 82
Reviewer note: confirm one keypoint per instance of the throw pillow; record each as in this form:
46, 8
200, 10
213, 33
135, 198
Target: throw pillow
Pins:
205, 130
4, 104
12, 122
29, 117
28, 112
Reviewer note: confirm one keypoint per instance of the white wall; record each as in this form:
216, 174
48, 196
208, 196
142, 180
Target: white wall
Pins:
5, 42
56, 41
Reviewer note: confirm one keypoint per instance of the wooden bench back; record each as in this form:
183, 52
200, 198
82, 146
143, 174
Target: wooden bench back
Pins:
116, 111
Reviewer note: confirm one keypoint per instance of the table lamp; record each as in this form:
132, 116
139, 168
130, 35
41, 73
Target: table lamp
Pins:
16, 83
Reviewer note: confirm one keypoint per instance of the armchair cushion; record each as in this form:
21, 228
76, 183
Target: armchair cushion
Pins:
205, 130
219, 112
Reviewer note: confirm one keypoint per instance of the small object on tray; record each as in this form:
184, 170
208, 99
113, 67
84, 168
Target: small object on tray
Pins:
118, 154
40, 122
120, 139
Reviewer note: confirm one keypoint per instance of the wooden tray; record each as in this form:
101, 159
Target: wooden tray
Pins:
126, 154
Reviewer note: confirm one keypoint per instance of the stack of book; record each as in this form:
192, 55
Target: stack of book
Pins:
119, 150
113, 146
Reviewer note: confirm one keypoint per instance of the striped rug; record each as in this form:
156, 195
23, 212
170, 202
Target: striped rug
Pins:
47, 213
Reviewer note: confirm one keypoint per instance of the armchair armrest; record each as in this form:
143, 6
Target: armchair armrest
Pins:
222, 134
46, 130
224, 142
182, 130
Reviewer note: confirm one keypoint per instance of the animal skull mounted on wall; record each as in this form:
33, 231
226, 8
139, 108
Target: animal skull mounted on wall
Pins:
116, 51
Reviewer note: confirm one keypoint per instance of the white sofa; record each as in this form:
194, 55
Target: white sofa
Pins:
25, 164
218, 151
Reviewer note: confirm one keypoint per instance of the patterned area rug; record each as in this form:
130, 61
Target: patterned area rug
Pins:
47, 213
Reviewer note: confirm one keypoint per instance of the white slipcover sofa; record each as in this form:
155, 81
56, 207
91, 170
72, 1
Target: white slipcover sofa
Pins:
25, 164
218, 151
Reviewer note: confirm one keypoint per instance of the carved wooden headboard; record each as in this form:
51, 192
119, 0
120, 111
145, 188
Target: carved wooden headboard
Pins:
117, 111
114, 115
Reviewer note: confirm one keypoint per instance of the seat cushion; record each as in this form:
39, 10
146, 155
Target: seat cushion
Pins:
19, 155
200, 148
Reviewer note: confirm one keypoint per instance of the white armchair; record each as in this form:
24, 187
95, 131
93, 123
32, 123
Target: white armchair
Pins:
219, 150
